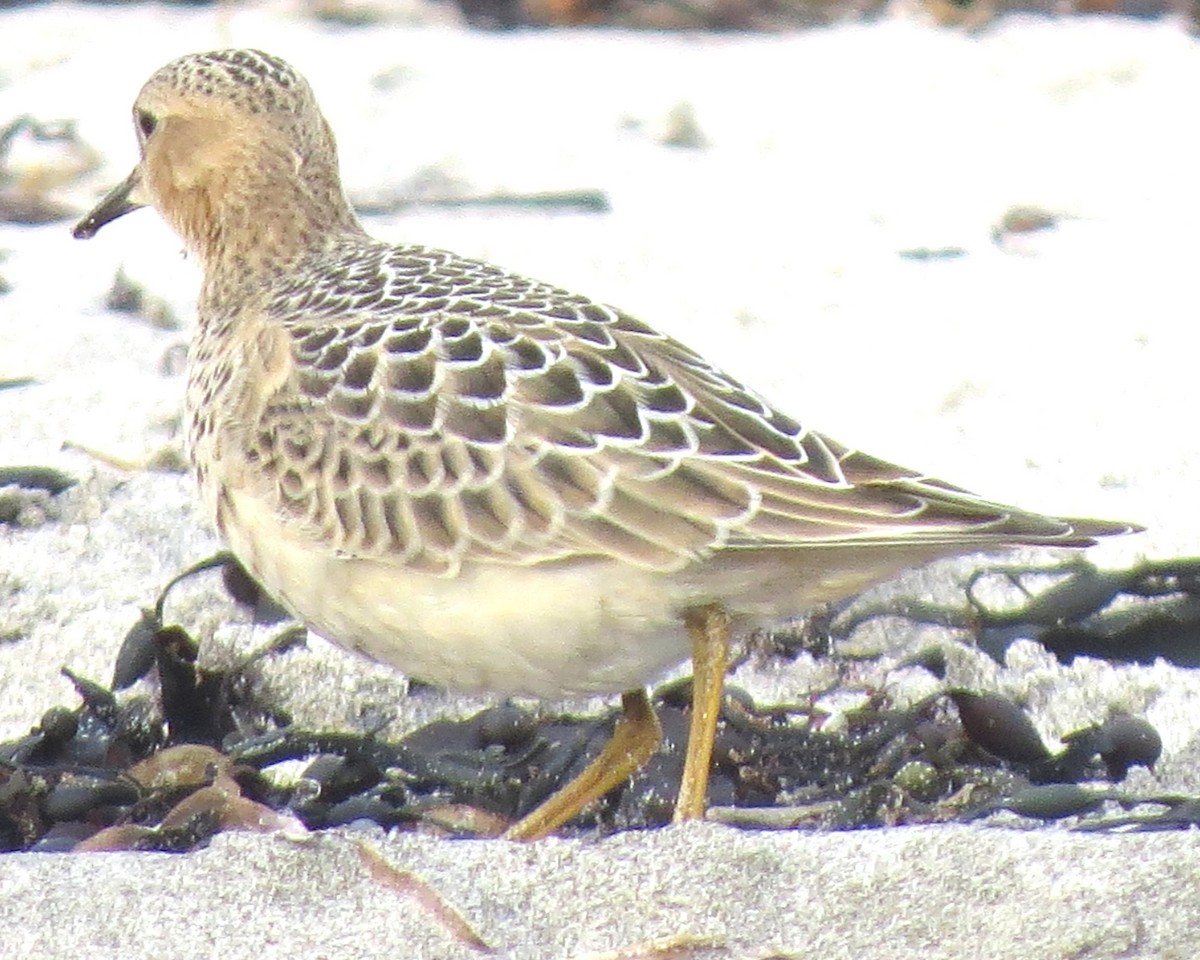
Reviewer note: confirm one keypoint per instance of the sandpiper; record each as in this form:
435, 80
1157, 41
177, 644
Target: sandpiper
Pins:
485, 481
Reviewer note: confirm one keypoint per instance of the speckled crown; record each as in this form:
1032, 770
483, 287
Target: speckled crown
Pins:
256, 81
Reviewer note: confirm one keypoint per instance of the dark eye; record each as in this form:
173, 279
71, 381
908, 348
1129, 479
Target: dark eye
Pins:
146, 122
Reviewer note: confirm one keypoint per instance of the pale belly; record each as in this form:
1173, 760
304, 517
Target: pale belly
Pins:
573, 629
592, 626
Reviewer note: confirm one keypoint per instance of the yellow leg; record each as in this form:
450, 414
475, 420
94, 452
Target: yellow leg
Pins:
633, 742
709, 630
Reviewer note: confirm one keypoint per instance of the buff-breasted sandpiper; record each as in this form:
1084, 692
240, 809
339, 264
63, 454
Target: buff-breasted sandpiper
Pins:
488, 482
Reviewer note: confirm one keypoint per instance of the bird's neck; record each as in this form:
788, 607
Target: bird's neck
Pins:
247, 232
